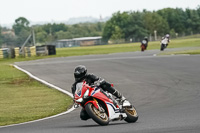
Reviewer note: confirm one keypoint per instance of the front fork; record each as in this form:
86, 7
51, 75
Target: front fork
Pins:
94, 102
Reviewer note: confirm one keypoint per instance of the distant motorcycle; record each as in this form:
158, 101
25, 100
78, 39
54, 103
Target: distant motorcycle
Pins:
164, 43
143, 45
101, 106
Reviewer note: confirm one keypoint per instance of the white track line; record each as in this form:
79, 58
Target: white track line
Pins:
50, 85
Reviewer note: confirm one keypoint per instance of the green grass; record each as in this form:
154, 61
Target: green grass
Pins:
23, 99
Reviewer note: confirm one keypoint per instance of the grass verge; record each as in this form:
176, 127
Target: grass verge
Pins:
23, 99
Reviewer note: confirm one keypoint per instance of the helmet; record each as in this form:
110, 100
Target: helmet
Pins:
145, 38
80, 72
167, 35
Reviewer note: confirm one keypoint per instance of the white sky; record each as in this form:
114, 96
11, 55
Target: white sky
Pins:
62, 10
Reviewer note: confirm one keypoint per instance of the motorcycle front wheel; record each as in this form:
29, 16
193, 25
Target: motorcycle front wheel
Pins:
142, 48
132, 115
99, 117
162, 47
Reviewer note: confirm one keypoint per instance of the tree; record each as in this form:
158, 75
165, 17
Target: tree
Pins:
193, 21
61, 35
22, 36
172, 33
119, 20
117, 34
9, 40
154, 21
22, 30
21, 23
175, 18
41, 36
130, 23
136, 26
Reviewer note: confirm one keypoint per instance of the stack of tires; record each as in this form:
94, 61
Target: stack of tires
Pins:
33, 51
27, 52
45, 50
17, 52
51, 49
7, 53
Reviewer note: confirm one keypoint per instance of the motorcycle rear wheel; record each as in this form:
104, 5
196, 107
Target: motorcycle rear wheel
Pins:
132, 115
99, 117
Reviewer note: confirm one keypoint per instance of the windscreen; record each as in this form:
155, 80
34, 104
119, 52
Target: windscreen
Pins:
79, 88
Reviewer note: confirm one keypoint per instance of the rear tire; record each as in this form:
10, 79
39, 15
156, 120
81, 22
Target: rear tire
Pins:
132, 115
99, 117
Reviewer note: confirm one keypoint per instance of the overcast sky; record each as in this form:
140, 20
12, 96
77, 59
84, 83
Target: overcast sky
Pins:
62, 10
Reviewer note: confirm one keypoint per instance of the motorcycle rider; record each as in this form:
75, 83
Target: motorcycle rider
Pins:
80, 74
145, 42
165, 41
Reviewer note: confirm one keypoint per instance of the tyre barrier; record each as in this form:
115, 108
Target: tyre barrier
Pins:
27, 51
7, 53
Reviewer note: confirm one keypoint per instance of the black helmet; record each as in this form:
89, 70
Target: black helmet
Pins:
80, 72
146, 38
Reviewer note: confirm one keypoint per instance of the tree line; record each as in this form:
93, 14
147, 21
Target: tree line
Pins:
121, 26
47, 33
137, 25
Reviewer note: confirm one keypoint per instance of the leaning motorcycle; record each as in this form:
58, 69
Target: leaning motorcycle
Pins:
101, 106
143, 45
163, 46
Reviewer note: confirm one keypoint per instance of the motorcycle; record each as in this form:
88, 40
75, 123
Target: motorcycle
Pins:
163, 46
101, 106
143, 47
164, 43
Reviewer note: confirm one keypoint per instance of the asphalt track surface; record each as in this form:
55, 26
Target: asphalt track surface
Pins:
164, 89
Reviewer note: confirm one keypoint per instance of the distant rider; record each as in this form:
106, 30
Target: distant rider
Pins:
80, 74
144, 43
165, 40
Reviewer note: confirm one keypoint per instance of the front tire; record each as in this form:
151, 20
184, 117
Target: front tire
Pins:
132, 115
99, 117
162, 47
143, 48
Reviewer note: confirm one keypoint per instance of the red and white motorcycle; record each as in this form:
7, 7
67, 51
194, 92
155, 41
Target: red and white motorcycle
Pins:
101, 106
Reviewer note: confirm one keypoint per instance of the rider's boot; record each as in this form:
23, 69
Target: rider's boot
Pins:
119, 96
122, 100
